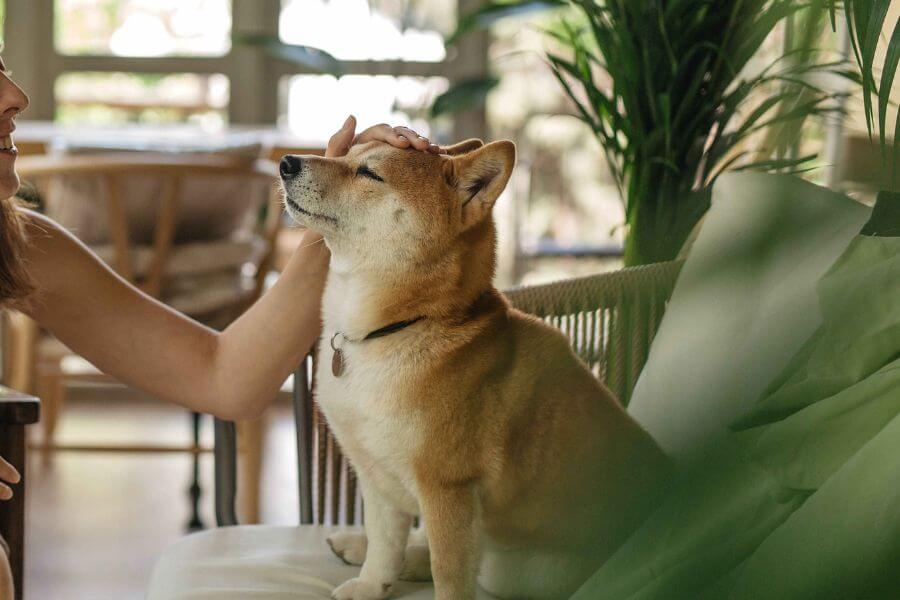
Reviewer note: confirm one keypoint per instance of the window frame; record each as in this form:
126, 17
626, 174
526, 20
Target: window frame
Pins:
254, 75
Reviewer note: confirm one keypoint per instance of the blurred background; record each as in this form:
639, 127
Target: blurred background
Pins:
261, 78
215, 66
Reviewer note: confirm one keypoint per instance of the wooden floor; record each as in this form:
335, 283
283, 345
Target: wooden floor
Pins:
97, 522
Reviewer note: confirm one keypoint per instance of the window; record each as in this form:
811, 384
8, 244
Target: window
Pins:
318, 104
143, 27
167, 61
410, 30
144, 98
367, 35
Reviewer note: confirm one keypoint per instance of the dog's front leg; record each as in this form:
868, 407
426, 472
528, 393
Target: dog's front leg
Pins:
387, 530
450, 513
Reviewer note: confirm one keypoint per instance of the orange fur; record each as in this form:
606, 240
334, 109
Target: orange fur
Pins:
479, 418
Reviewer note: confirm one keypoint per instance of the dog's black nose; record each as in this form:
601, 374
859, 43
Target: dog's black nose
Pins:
290, 165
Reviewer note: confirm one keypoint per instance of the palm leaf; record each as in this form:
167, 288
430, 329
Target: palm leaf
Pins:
491, 12
312, 59
463, 95
891, 61
865, 22
776, 164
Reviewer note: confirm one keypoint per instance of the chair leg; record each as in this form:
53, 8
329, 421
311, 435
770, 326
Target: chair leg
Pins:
21, 335
52, 392
194, 490
251, 441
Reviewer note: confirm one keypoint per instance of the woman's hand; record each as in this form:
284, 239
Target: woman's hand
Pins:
8, 474
401, 137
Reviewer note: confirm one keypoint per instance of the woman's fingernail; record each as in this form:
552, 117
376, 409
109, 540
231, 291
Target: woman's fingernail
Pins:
347, 122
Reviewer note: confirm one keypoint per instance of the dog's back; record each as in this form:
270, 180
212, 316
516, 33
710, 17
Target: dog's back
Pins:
565, 473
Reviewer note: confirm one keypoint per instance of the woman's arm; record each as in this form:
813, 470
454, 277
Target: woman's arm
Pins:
148, 345
143, 343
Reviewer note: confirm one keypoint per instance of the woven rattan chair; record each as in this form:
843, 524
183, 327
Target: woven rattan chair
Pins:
610, 318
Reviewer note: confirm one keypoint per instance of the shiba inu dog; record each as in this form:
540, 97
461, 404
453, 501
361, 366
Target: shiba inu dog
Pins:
450, 404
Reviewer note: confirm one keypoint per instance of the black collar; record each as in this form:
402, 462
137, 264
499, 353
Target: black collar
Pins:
337, 360
388, 329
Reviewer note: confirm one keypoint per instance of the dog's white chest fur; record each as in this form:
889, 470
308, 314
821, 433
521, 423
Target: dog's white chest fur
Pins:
363, 407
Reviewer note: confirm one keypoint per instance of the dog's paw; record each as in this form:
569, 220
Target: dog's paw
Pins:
416, 564
357, 589
350, 547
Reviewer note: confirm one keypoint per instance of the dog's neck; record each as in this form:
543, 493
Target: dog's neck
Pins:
358, 301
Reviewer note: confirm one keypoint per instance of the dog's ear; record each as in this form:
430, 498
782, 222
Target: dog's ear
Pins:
479, 176
462, 147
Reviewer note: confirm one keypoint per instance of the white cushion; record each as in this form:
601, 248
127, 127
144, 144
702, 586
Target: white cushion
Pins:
260, 562
744, 303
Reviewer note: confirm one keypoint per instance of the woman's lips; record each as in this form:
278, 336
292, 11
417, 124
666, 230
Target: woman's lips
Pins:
7, 145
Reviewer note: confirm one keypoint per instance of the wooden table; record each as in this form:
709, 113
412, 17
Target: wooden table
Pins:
38, 137
16, 411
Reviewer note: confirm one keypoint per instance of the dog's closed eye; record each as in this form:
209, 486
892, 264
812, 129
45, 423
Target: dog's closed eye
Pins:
367, 172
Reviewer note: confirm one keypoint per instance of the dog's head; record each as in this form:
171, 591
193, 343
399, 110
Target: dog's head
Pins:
381, 207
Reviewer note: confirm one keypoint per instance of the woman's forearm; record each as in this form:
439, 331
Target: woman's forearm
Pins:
148, 345
267, 342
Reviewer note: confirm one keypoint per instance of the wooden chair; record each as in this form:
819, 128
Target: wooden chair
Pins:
610, 319
152, 265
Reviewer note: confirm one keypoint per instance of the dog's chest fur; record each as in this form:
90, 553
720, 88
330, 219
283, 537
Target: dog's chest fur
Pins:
366, 406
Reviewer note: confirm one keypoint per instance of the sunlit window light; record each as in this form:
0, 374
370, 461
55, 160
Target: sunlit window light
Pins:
352, 30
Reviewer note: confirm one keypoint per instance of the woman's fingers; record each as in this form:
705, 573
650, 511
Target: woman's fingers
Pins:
8, 472
381, 133
340, 142
419, 142
401, 137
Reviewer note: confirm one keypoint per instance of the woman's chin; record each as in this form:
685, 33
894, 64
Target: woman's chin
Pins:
9, 185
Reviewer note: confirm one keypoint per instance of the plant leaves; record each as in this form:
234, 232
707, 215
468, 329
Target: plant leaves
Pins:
891, 61
463, 95
491, 12
776, 164
313, 59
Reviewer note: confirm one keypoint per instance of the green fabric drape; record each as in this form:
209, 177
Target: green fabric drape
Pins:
802, 498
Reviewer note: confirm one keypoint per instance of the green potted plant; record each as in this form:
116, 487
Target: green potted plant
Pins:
665, 89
